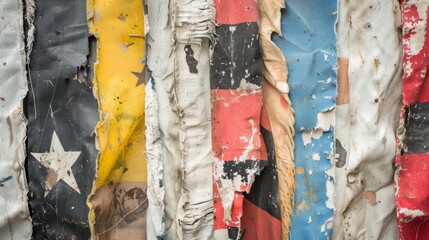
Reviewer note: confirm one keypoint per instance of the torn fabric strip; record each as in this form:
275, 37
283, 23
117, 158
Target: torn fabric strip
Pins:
15, 222
118, 202
278, 105
62, 113
178, 59
308, 44
412, 195
369, 56
236, 79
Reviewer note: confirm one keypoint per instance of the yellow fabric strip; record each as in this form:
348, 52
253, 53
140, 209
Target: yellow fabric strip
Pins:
120, 90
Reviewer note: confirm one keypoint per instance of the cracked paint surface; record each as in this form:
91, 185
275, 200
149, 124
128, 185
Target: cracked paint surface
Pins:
308, 44
118, 201
15, 222
236, 95
412, 179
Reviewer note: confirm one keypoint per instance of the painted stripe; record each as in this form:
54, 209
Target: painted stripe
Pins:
62, 114
413, 196
236, 115
417, 134
236, 59
235, 12
264, 193
15, 222
119, 201
259, 224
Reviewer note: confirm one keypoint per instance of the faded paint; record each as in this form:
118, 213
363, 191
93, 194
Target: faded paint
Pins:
369, 56
15, 222
119, 201
412, 176
308, 44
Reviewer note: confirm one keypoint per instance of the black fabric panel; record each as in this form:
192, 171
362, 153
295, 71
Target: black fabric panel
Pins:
417, 128
236, 56
60, 100
264, 192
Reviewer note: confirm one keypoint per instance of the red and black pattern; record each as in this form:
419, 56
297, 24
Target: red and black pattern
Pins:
239, 140
413, 179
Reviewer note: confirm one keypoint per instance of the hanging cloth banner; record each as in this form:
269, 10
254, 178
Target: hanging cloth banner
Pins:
62, 113
118, 202
369, 94
412, 195
308, 44
15, 222
236, 92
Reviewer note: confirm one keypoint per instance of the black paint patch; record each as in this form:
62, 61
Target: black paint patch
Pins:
236, 56
417, 128
190, 59
340, 161
233, 232
264, 192
60, 99
232, 169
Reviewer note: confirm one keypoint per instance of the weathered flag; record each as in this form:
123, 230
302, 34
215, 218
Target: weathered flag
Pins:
62, 113
308, 44
118, 202
367, 116
236, 92
15, 222
412, 195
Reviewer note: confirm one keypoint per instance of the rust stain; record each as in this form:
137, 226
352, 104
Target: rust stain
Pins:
343, 81
376, 65
52, 177
9, 123
371, 197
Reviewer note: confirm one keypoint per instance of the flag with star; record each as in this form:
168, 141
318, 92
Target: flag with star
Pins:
62, 113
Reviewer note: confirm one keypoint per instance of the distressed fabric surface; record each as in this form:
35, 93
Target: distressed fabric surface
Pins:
62, 113
308, 44
412, 195
279, 110
119, 201
238, 145
15, 222
178, 59
369, 51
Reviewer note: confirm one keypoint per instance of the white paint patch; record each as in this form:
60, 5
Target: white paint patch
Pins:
316, 156
411, 213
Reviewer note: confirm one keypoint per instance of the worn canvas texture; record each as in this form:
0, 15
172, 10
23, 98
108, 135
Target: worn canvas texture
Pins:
118, 202
15, 222
369, 51
62, 113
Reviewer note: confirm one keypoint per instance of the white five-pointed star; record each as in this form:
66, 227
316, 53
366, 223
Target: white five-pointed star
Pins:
59, 161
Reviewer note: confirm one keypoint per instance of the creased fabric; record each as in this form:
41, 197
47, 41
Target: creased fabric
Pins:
62, 114
178, 59
369, 53
15, 222
279, 110
412, 178
236, 95
308, 44
119, 201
